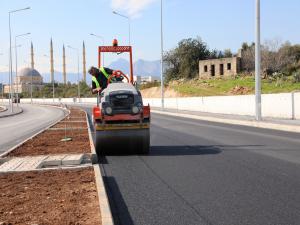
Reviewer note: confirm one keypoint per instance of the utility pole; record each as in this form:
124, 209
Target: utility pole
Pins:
126, 17
64, 66
102, 38
83, 62
10, 55
52, 68
32, 69
162, 55
258, 116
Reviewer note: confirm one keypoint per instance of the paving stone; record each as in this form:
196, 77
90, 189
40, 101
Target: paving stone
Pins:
53, 160
11, 164
72, 159
31, 163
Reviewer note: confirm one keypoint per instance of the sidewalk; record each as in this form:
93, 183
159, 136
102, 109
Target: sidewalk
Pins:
7, 112
269, 123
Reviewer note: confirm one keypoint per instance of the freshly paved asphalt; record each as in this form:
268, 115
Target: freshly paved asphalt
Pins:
207, 173
15, 129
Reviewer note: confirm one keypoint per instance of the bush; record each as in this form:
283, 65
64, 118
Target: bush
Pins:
296, 77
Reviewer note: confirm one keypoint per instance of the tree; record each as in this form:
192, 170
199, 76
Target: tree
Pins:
248, 57
227, 53
183, 61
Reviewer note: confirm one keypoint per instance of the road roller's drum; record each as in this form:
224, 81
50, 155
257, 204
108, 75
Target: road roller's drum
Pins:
135, 141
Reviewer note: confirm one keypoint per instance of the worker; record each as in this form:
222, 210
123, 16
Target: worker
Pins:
100, 78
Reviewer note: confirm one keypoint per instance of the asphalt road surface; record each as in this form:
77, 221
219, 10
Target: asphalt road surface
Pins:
15, 129
207, 173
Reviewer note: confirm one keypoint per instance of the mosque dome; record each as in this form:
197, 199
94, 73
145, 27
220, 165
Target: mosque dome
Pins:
28, 72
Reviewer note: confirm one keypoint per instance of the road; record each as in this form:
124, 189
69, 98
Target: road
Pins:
207, 173
15, 129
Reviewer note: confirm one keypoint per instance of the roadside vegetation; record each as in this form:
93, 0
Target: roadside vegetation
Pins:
61, 91
237, 86
280, 69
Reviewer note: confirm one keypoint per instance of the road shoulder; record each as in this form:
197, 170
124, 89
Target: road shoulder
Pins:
283, 125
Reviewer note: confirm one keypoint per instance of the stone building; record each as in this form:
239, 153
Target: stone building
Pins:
223, 67
22, 83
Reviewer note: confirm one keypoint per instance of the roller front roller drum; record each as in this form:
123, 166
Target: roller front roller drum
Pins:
135, 141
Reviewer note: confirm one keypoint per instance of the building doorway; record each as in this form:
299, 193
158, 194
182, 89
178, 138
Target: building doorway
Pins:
212, 70
221, 69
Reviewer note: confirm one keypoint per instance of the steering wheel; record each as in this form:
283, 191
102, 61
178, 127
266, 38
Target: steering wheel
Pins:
117, 74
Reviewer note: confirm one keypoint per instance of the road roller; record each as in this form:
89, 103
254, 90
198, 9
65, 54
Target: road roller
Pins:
121, 121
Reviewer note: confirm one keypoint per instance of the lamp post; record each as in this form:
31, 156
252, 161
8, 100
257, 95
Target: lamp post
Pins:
257, 64
10, 53
77, 50
16, 54
162, 55
114, 12
2, 87
102, 38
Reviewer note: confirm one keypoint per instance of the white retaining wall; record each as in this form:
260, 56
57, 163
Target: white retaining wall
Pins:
284, 105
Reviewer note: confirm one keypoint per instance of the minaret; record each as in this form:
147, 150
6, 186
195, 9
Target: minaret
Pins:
32, 56
51, 62
64, 65
84, 62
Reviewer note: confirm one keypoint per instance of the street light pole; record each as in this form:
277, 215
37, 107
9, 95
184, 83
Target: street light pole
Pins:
1, 82
102, 38
162, 55
257, 65
16, 54
77, 50
129, 32
10, 55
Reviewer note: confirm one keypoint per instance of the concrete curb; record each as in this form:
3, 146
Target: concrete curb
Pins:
3, 108
13, 114
106, 216
41, 131
262, 124
93, 150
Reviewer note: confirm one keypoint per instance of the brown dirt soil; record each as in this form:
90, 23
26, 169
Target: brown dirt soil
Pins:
49, 142
62, 197
70, 125
75, 112
240, 90
154, 92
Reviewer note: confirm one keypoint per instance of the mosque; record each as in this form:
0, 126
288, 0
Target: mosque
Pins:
26, 79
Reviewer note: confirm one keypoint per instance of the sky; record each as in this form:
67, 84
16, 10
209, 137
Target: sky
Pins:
221, 24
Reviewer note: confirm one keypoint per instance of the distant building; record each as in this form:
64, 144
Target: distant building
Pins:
22, 83
149, 79
145, 79
223, 67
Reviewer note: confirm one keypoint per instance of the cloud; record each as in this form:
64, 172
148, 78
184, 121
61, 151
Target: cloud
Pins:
133, 8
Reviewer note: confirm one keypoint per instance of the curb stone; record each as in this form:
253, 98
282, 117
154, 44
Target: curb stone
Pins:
14, 114
3, 108
106, 216
94, 155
